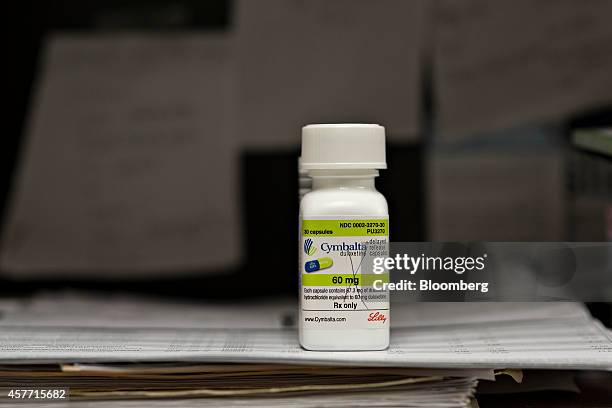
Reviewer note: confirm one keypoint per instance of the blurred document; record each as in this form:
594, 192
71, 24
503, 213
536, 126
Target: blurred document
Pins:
496, 196
129, 167
560, 344
323, 61
456, 335
76, 309
503, 186
506, 62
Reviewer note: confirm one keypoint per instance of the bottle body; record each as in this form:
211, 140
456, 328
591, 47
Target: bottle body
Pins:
343, 219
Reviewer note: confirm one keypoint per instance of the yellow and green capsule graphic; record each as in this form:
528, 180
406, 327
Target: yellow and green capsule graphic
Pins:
317, 264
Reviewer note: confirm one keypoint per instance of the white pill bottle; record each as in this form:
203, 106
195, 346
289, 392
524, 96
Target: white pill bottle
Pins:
343, 219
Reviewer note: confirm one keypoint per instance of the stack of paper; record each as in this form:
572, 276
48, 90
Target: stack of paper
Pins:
231, 381
141, 348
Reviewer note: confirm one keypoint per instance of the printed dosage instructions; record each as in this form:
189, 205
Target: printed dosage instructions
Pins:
336, 284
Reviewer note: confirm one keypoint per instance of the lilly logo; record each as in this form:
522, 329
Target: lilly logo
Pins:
309, 249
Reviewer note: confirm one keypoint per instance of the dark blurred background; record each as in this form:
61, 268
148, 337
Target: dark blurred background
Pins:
479, 118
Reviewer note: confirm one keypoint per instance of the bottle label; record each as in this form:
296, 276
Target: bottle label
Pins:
338, 288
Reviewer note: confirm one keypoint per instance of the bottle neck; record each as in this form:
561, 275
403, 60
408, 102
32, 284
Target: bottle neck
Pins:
349, 179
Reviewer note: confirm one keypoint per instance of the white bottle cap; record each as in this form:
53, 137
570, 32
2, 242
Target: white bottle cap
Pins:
343, 146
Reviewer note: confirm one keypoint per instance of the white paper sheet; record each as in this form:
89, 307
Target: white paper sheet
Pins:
75, 309
520, 192
551, 336
324, 61
506, 62
564, 344
129, 165
454, 313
